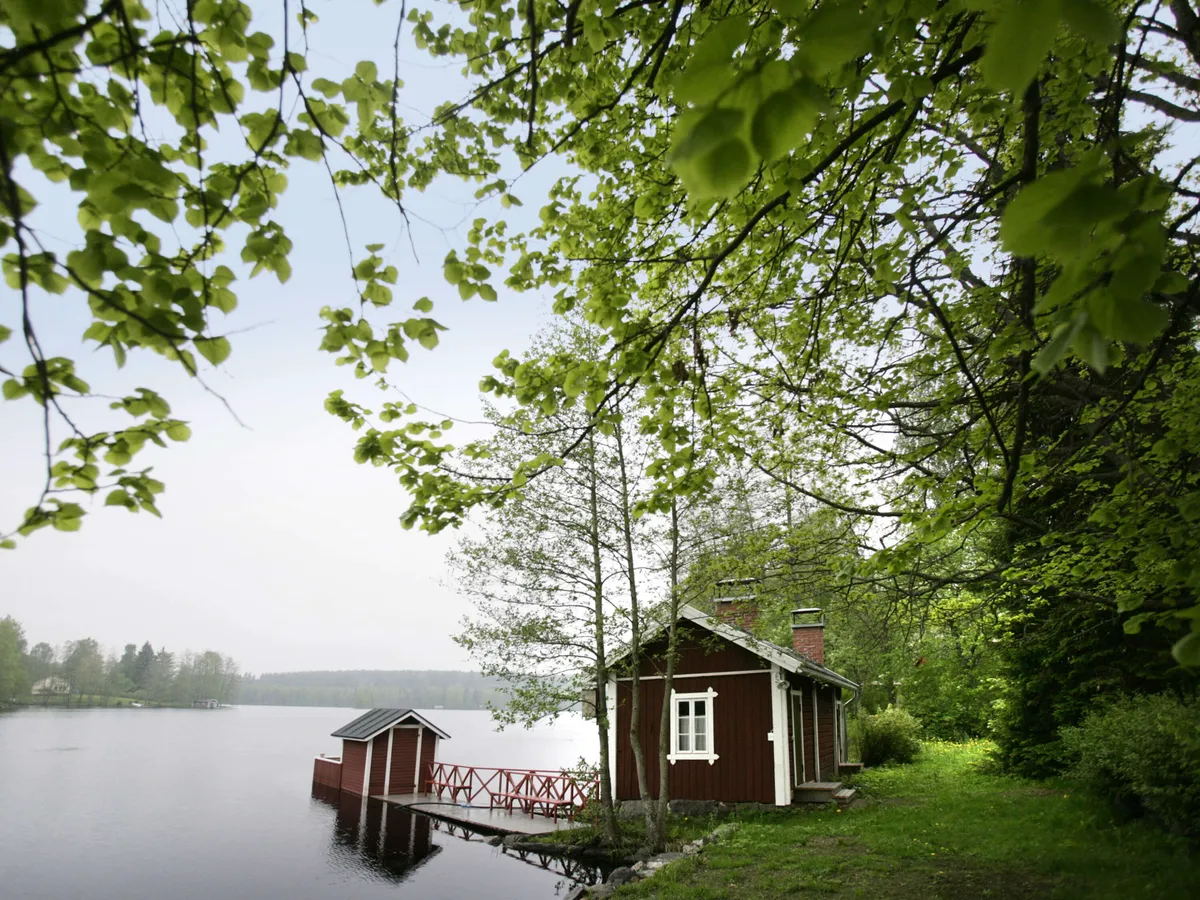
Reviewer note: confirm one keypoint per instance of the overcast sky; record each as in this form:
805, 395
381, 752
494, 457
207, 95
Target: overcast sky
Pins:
275, 547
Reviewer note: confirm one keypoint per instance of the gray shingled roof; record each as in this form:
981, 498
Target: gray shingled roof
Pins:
787, 657
370, 724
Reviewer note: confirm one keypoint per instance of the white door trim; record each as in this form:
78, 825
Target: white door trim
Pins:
387, 772
796, 703
417, 767
816, 734
778, 736
366, 785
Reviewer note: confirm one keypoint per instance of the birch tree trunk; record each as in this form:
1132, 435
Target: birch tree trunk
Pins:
653, 840
664, 722
611, 832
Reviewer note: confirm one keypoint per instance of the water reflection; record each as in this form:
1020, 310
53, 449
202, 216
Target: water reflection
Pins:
376, 839
384, 842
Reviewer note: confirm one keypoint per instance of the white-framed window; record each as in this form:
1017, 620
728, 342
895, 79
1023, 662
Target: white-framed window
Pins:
692, 726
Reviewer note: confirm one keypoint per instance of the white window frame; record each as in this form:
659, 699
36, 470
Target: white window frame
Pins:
709, 755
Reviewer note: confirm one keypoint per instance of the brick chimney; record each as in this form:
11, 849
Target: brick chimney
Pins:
740, 611
808, 638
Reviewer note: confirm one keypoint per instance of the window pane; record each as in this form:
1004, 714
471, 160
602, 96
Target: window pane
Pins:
698, 707
683, 726
701, 737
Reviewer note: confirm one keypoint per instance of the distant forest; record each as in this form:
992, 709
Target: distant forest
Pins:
367, 688
89, 675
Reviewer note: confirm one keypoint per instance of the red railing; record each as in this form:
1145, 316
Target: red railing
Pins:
534, 791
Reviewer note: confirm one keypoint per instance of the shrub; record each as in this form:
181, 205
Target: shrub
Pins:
892, 735
1143, 753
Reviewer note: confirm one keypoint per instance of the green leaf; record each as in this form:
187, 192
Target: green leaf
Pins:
1133, 625
1091, 19
5, 333
1169, 282
1022, 229
1092, 348
68, 518
721, 171
366, 70
8, 544
1018, 43
428, 339
423, 305
700, 85
712, 129
1056, 348
215, 350
1187, 650
1137, 321
327, 87
305, 144
835, 34
720, 41
119, 497
178, 431
786, 118
487, 292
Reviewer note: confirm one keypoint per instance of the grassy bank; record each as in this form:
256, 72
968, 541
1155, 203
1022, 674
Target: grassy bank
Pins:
90, 701
939, 828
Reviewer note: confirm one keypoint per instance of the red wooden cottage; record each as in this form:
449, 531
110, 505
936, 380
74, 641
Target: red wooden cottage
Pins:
384, 751
751, 721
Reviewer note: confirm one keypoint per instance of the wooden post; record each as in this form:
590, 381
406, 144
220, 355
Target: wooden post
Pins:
387, 772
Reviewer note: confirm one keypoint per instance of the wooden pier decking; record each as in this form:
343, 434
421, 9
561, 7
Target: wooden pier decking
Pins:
477, 818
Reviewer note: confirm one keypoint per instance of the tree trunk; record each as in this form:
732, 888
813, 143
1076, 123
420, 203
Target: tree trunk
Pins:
664, 722
654, 839
611, 832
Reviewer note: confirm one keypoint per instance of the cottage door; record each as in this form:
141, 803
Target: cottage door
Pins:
839, 735
798, 768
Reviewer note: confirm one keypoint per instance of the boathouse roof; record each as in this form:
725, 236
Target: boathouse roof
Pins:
377, 721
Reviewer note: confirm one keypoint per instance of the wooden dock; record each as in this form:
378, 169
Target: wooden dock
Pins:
477, 818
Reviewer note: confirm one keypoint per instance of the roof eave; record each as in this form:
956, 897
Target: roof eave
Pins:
766, 649
392, 724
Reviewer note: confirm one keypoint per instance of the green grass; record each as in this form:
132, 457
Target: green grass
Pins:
942, 827
680, 830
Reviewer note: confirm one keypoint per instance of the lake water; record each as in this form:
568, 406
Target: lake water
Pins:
217, 805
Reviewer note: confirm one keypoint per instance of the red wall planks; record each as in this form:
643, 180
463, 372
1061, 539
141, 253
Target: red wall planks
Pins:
827, 738
701, 651
327, 773
378, 763
428, 754
354, 762
744, 770
404, 761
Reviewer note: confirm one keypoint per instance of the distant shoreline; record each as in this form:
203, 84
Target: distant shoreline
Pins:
90, 701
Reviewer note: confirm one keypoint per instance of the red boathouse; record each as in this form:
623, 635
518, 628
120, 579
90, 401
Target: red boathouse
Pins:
751, 721
384, 751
